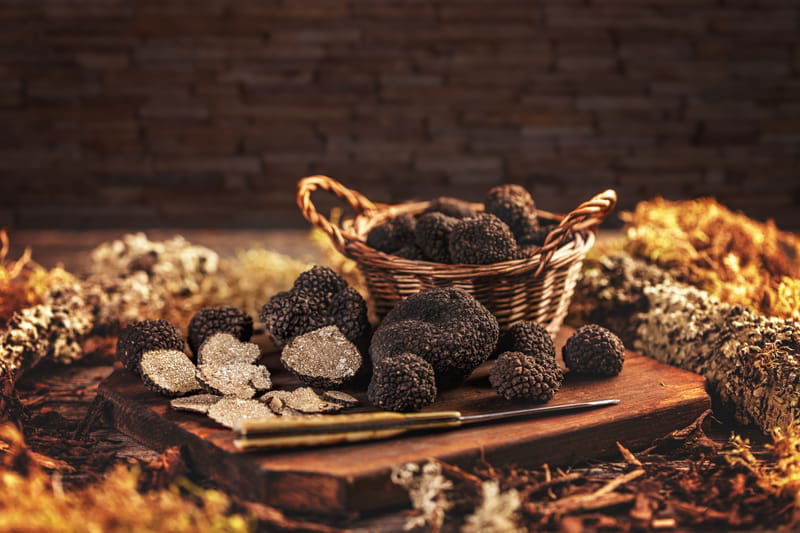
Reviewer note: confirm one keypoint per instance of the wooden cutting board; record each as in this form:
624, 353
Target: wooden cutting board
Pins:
352, 479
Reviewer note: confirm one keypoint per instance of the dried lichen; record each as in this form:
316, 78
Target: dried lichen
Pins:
426, 488
497, 512
737, 259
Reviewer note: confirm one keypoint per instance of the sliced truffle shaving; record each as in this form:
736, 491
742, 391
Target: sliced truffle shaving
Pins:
241, 380
168, 372
224, 348
146, 335
226, 319
229, 412
305, 400
322, 358
197, 403
342, 398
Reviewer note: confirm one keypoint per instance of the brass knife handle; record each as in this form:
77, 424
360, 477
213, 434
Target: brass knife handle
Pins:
320, 424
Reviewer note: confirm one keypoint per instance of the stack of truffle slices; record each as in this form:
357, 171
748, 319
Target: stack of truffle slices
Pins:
451, 231
224, 380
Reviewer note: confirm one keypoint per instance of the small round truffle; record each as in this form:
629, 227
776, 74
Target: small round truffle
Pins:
320, 283
433, 235
513, 205
516, 376
225, 319
392, 234
143, 336
452, 207
402, 382
529, 338
593, 349
481, 240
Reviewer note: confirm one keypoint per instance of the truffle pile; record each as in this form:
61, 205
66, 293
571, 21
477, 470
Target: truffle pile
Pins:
451, 231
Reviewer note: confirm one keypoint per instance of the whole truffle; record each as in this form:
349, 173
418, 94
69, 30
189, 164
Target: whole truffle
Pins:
537, 237
411, 251
433, 235
529, 338
143, 336
481, 240
392, 234
516, 376
593, 349
451, 207
513, 205
319, 298
225, 319
447, 327
402, 382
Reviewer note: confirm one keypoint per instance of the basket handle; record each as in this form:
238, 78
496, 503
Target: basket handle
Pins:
588, 215
355, 200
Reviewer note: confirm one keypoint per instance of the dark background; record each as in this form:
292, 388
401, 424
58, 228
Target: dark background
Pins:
206, 112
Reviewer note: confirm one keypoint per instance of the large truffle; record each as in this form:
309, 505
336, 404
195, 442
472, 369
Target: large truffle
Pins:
225, 319
143, 336
481, 240
393, 234
322, 358
452, 207
529, 338
319, 298
433, 235
593, 349
513, 205
447, 327
517, 376
402, 382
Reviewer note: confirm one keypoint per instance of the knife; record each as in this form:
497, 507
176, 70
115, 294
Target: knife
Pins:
321, 430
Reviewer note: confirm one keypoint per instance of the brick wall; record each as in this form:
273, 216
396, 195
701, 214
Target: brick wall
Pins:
205, 112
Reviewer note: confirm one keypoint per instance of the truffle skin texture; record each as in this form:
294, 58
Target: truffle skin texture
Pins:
392, 234
144, 336
516, 376
319, 298
411, 251
433, 234
452, 207
402, 382
481, 240
225, 319
529, 338
593, 349
447, 327
513, 205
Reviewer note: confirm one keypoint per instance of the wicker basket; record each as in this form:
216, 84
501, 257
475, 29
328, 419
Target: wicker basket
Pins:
537, 288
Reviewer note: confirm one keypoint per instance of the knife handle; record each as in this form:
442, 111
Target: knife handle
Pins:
380, 431
341, 423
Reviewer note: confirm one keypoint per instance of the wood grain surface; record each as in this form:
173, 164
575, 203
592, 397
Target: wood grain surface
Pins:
354, 479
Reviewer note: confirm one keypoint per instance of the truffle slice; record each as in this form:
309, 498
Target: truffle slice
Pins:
392, 234
224, 348
229, 412
168, 372
433, 234
481, 240
452, 207
226, 319
342, 398
513, 205
197, 403
276, 400
403, 382
516, 376
322, 358
305, 400
234, 379
529, 338
143, 336
593, 349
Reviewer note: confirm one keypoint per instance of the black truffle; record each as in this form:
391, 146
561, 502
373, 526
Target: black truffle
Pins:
513, 205
433, 235
402, 382
411, 251
594, 350
481, 240
516, 376
447, 327
319, 298
143, 336
529, 338
168, 372
225, 319
537, 237
392, 234
452, 207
